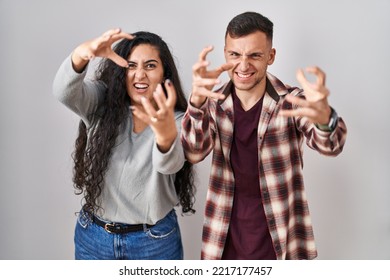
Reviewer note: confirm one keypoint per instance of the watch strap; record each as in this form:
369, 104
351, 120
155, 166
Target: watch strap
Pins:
332, 122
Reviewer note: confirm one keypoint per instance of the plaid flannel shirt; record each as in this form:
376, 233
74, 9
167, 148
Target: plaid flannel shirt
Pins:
280, 151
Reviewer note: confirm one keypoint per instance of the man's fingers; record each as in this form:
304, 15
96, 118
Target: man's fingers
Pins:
204, 52
205, 82
199, 65
224, 67
299, 112
208, 93
298, 101
321, 77
301, 78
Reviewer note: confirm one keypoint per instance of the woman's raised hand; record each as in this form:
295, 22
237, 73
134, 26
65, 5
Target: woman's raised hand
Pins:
160, 119
99, 47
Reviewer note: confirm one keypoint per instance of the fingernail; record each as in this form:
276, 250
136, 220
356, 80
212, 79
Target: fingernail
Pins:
168, 81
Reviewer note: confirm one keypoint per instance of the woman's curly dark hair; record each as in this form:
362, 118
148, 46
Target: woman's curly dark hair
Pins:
92, 154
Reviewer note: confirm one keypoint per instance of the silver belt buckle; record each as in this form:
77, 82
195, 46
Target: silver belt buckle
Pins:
107, 225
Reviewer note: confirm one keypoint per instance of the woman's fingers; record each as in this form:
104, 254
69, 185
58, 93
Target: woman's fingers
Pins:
171, 93
141, 115
165, 104
117, 59
149, 109
102, 46
161, 102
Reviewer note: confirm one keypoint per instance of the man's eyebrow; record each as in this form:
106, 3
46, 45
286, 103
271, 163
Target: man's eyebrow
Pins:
250, 54
257, 53
231, 51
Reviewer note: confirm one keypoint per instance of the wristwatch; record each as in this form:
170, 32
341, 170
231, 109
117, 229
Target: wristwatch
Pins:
332, 122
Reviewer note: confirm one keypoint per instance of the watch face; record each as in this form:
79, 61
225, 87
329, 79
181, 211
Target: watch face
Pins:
333, 120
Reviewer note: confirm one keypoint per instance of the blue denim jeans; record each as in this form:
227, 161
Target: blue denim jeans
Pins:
160, 242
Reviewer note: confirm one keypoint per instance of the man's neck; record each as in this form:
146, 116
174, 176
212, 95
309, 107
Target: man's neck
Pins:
249, 98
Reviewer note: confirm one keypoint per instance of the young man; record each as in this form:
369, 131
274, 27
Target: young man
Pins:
256, 204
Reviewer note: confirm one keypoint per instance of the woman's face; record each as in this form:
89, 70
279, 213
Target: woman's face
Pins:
145, 72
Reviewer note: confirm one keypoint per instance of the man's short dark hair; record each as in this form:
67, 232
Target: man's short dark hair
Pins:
249, 22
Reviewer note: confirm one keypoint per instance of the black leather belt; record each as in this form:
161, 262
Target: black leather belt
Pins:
118, 227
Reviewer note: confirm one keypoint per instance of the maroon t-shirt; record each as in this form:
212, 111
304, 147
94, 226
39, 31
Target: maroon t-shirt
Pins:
248, 236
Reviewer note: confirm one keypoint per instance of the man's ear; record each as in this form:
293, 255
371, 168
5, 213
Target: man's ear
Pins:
272, 55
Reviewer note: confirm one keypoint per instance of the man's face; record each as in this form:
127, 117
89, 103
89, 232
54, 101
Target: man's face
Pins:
251, 55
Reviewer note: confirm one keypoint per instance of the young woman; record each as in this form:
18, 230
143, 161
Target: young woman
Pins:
129, 162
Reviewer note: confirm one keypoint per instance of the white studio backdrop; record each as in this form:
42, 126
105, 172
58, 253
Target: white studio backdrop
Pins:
348, 195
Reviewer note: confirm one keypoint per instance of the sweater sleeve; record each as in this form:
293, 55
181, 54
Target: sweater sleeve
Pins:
81, 95
173, 160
